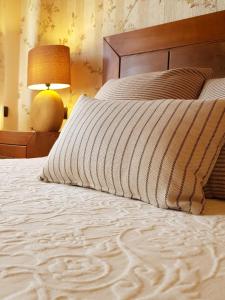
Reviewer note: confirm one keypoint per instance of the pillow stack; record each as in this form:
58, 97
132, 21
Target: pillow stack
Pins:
215, 188
160, 151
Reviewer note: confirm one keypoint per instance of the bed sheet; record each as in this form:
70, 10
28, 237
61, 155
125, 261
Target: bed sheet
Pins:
64, 242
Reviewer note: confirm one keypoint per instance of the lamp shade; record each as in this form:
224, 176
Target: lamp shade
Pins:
49, 66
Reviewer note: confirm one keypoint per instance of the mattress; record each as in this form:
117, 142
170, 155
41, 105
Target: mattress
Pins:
65, 242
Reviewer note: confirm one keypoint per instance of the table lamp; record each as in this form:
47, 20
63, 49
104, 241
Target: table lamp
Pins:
48, 70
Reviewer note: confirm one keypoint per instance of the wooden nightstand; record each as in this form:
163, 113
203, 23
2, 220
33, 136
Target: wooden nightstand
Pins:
14, 144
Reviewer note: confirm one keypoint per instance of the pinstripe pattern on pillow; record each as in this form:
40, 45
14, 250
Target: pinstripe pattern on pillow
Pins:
156, 151
213, 89
182, 83
215, 188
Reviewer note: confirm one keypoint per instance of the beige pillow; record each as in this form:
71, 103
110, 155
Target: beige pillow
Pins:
213, 89
183, 83
160, 152
215, 188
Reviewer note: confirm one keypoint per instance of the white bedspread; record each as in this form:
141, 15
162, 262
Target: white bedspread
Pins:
63, 242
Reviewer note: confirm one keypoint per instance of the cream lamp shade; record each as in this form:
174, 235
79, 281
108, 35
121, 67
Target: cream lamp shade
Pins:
48, 69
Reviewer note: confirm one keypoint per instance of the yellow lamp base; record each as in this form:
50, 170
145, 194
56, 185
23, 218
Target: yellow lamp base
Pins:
47, 111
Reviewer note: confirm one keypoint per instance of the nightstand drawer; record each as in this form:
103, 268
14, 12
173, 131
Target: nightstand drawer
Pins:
14, 144
13, 151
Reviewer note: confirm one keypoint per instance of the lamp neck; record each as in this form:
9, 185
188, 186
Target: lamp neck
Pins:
47, 85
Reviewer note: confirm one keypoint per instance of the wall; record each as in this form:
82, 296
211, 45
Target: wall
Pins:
80, 24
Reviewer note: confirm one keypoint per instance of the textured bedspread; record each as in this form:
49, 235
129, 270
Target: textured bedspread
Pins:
63, 242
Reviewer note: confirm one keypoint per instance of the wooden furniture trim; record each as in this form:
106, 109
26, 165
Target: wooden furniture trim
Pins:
111, 62
203, 29
26, 144
15, 137
41, 143
8, 151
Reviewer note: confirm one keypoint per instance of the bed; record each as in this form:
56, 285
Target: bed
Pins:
66, 242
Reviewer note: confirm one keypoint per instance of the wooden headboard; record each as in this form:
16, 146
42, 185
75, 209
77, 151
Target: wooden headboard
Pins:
198, 41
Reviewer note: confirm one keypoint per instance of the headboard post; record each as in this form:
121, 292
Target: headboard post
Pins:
111, 62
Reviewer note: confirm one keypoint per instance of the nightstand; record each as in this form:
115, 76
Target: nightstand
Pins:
15, 144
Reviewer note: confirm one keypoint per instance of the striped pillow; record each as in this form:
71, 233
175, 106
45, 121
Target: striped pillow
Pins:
215, 188
213, 89
183, 83
160, 151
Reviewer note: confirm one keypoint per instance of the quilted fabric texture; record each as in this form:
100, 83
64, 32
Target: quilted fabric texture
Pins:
182, 83
215, 188
160, 152
65, 242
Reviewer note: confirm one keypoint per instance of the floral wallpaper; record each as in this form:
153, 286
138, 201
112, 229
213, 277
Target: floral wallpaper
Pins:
81, 25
